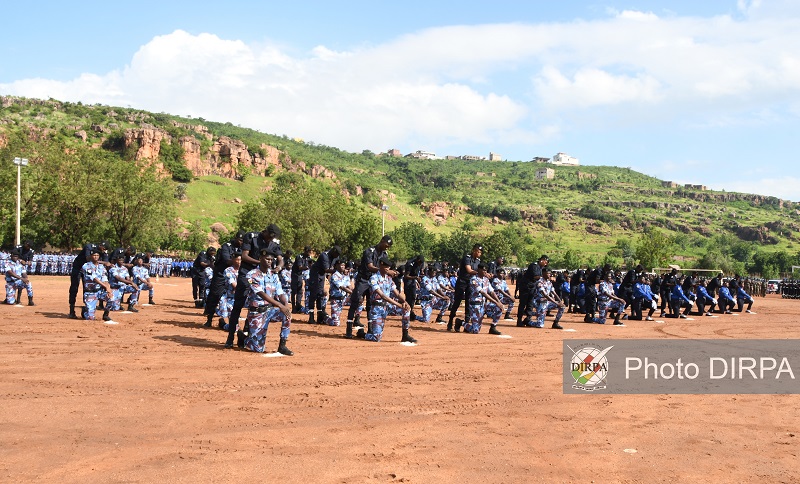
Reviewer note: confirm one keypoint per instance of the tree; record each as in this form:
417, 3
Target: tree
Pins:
411, 239
654, 248
311, 213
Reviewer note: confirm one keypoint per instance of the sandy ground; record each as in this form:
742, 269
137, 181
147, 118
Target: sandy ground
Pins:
156, 398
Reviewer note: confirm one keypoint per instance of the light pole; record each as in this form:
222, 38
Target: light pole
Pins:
384, 208
20, 162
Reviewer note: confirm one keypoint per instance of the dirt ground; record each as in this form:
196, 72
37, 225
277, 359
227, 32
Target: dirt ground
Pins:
156, 398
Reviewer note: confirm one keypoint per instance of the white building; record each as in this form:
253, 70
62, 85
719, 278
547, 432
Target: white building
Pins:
422, 155
564, 159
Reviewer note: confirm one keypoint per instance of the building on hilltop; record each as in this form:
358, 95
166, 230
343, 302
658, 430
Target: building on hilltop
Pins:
696, 187
540, 159
564, 159
472, 158
669, 184
422, 155
545, 174
394, 152
495, 157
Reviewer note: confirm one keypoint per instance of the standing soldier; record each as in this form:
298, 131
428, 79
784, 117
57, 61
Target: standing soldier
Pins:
466, 269
301, 264
203, 260
412, 277
323, 266
368, 267
225, 304
527, 290
225, 256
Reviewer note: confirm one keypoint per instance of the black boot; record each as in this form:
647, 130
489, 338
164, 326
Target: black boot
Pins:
357, 322
221, 323
282, 349
72, 314
208, 321
240, 337
450, 325
407, 338
106, 317
556, 325
439, 319
493, 330
132, 309
457, 327
101, 305
322, 317
508, 315
151, 302
311, 319
361, 334
30, 302
349, 331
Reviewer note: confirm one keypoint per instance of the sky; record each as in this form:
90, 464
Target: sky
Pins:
702, 92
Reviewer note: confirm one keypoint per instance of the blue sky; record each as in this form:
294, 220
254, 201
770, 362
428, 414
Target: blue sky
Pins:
695, 92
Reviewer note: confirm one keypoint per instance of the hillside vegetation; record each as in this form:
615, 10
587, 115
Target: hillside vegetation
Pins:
584, 215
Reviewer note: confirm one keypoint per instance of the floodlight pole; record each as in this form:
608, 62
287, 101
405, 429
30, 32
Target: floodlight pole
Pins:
20, 162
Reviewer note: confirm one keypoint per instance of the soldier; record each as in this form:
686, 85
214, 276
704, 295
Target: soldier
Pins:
219, 283
741, 298
368, 267
16, 279
703, 298
643, 296
203, 260
266, 303
607, 301
412, 277
317, 274
77, 266
225, 304
527, 291
503, 292
466, 270
481, 293
95, 284
725, 301
141, 276
382, 288
121, 284
679, 300
339, 291
301, 264
431, 297
547, 299
252, 245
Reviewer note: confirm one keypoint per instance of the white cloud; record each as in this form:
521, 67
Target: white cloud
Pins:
457, 85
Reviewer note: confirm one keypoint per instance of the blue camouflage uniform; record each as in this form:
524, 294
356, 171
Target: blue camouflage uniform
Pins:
260, 312
380, 309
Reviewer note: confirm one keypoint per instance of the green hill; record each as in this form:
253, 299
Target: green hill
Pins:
595, 211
